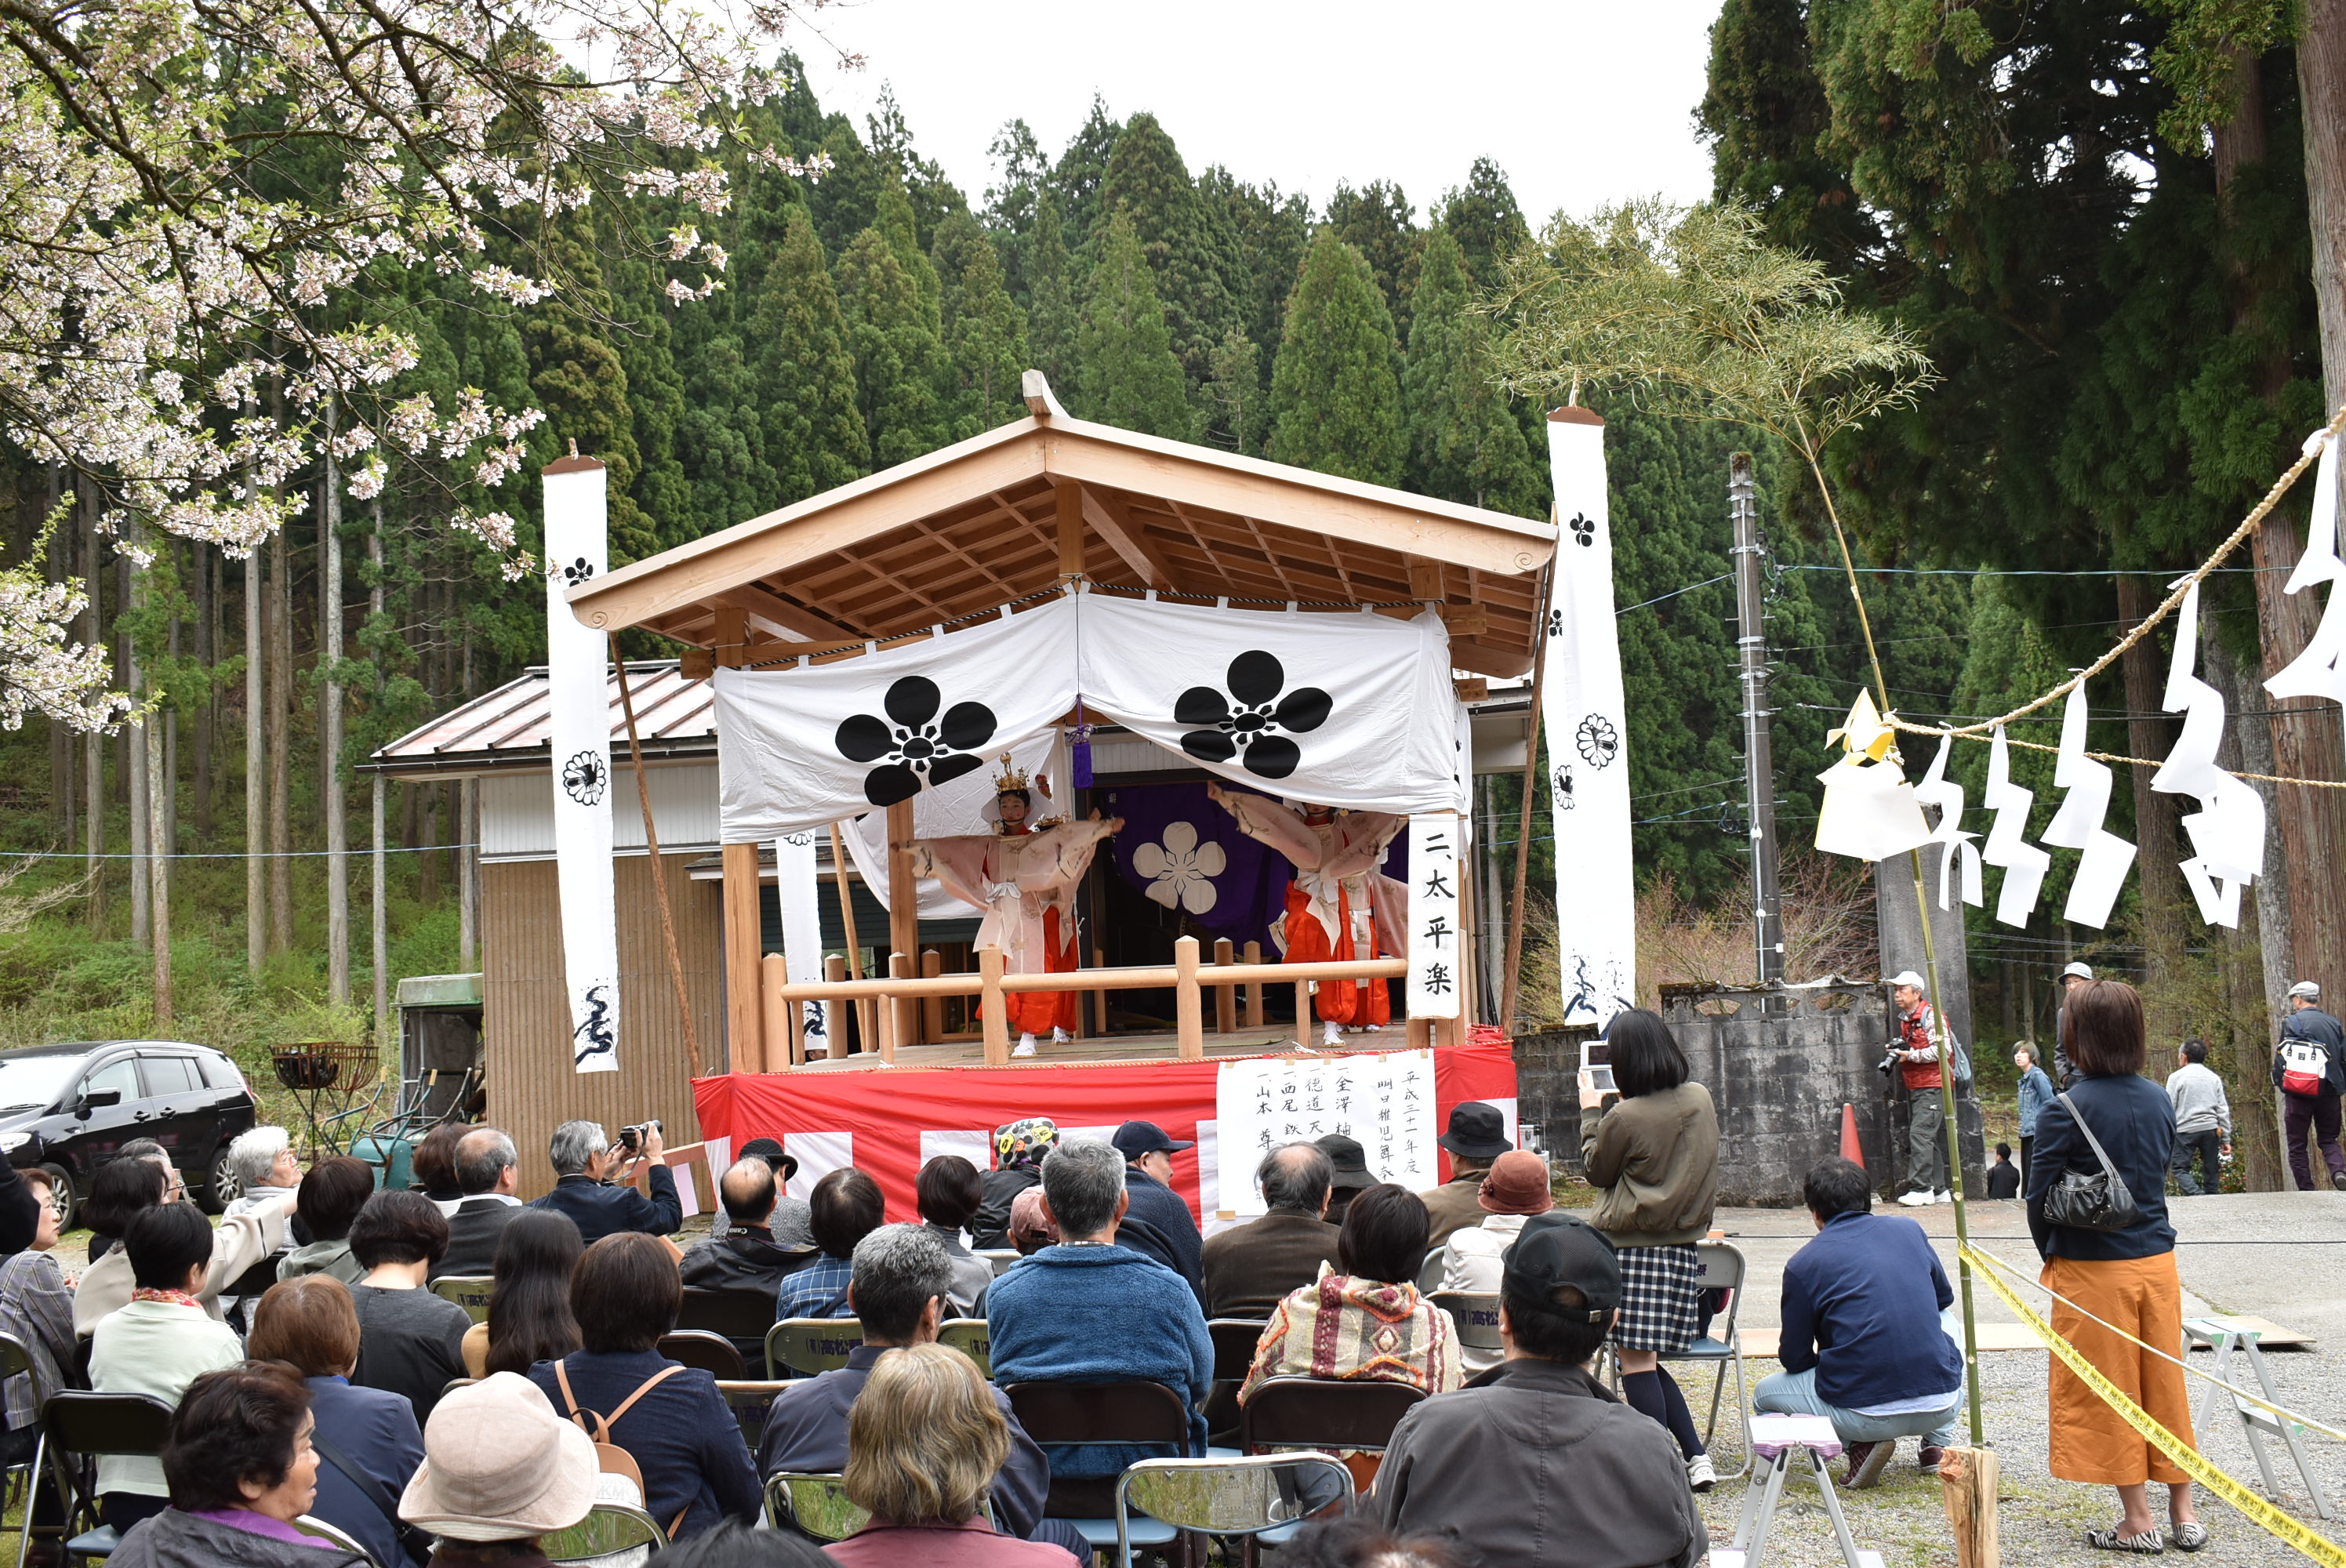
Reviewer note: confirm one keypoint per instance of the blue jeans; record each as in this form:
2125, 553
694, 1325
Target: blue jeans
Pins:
1795, 1394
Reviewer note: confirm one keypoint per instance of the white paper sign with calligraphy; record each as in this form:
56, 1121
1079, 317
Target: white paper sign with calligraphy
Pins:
1383, 1101
1434, 975
579, 728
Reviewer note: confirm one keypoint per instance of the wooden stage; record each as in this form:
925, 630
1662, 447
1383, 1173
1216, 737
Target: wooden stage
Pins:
1112, 1050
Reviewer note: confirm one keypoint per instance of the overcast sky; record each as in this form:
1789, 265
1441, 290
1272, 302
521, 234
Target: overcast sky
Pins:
1578, 102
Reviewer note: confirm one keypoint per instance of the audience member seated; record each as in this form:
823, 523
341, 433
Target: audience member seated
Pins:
241, 1469
1862, 1341
20, 1215
1089, 1311
411, 1341
2004, 1176
791, 1219
1535, 1463
157, 1343
737, 1545
1250, 1268
1351, 1173
265, 1167
1019, 1148
488, 1170
1032, 1228
922, 1447
902, 1275
847, 1207
329, 1198
669, 1417
1476, 1135
529, 1317
746, 1257
1366, 1320
590, 1185
37, 1310
949, 1190
1159, 1223
500, 1470
1363, 1542
118, 1189
367, 1440
239, 1241
1513, 1189
431, 1169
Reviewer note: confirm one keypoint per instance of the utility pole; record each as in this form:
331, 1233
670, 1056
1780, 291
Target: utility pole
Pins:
1759, 757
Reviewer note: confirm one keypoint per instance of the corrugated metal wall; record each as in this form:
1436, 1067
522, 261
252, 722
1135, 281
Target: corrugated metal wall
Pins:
517, 810
531, 1087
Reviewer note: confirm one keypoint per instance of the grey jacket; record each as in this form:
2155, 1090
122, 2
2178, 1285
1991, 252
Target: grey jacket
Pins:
176, 1540
1534, 1463
2197, 1095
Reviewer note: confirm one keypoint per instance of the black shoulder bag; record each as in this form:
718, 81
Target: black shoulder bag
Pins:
413, 1541
2096, 1200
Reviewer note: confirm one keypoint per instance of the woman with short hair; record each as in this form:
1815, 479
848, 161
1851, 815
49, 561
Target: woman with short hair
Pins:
1365, 1319
327, 1202
948, 1191
923, 1441
411, 1341
669, 1417
367, 1438
529, 1296
1653, 1158
241, 1471
2125, 1277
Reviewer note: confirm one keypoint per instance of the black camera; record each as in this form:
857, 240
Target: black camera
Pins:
1889, 1058
632, 1139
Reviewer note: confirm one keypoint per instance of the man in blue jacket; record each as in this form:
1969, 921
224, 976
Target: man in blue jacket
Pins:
1862, 1343
590, 1184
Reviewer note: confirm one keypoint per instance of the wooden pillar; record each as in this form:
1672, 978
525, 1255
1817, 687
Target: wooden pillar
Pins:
900, 1010
1421, 1034
774, 1014
744, 1024
903, 915
1226, 997
933, 1008
834, 1041
1070, 498
1188, 1005
1257, 1011
993, 1007
793, 1014
1470, 921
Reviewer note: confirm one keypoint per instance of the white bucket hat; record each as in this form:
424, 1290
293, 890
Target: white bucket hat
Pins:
500, 1465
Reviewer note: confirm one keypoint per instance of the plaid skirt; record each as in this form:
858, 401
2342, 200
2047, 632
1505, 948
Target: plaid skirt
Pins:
1660, 1301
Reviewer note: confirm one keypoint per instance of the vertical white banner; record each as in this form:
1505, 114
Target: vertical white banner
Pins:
1435, 862
1581, 715
579, 695
795, 890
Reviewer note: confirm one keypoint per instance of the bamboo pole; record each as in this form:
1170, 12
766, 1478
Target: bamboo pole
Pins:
659, 872
1511, 984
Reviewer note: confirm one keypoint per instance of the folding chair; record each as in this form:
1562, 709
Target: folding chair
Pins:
1721, 1265
711, 1353
1476, 1316
1431, 1274
742, 1316
1331, 1413
612, 1535
77, 1427
15, 1359
1779, 1441
1235, 1339
813, 1505
1057, 1413
309, 1524
1251, 1497
971, 1336
810, 1345
749, 1400
468, 1291
1001, 1258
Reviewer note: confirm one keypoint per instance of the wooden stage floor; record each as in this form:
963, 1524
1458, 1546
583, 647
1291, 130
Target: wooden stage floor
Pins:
1157, 1047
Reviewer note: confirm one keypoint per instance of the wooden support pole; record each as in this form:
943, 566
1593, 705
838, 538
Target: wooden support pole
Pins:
864, 1023
1510, 983
993, 1006
899, 1009
1421, 1034
834, 1040
1258, 1014
1070, 499
1470, 916
659, 874
933, 1009
1189, 1006
744, 1026
783, 1046
903, 909
1226, 997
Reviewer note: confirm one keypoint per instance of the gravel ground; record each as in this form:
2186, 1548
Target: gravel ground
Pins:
2282, 1257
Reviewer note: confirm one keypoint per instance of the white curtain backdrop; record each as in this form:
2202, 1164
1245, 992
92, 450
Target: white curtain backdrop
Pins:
579, 682
962, 805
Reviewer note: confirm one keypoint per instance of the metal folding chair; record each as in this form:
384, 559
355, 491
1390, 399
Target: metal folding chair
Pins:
1721, 1265
1780, 1442
813, 1505
469, 1291
1266, 1494
1001, 1257
810, 1344
1432, 1272
612, 1535
1100, 1413
311, 1524
1336, 1414
711, 1353
971, 1336
749, 1400
742, 1316
77, 1427
1475, 1315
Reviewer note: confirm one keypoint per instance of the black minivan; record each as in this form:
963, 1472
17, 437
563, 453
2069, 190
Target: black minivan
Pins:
67, 1107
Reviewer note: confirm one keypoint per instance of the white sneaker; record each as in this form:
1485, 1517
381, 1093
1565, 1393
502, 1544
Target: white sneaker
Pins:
1943, 1196
1025, 1046
1701, 1474
1914, 1199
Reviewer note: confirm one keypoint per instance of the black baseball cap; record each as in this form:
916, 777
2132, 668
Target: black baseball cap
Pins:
1477, 1130
767, 1150
1134, 1139
1555, 1249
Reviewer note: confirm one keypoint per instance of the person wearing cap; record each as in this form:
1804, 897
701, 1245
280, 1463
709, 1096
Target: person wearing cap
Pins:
1159, 1223
1861, 1339
1250, 1268
1019, 1148
791, 1223
500, 1470
1535, 1462
1476, 1135
1915, 1053
1031, 1226
2312, 1050
2035, 1093
1515, 1189
748, 1256
1653, 1157
1349, 1174
2072, 976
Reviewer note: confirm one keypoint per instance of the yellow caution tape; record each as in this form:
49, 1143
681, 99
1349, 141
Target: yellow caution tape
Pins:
2321, 1548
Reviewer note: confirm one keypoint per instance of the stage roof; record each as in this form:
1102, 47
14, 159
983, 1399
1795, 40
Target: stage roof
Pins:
1006, 514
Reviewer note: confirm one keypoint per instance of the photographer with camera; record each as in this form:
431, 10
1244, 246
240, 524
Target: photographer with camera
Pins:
1914, 1055
591, 1178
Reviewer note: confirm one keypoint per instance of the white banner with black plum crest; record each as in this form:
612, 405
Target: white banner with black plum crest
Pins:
1434, 976
798, 894
1581, 715
579, 702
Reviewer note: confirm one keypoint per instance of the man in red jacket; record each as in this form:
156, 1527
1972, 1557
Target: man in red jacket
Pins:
1916, 1054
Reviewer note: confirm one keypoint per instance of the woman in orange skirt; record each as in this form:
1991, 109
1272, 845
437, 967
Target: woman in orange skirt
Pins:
2125, 1277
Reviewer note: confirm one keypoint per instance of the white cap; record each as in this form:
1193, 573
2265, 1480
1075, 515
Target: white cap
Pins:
1908, 977
2082, 971
2305, 989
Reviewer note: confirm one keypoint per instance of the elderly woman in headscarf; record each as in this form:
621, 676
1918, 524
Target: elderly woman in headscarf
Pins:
1018, 1150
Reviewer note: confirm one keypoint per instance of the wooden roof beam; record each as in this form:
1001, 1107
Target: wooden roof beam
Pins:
1115, 523
791, 623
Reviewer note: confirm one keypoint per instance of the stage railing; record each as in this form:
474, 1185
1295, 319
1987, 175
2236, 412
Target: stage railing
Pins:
884, 1004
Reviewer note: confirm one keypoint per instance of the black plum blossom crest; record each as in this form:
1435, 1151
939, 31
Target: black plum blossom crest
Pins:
922, 749
1243, 724
1584, 531
577, 572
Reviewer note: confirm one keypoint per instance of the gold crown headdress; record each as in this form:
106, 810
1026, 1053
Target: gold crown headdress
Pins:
1010, 778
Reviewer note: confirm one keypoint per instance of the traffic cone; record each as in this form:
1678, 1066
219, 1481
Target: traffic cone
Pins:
1851, 1149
